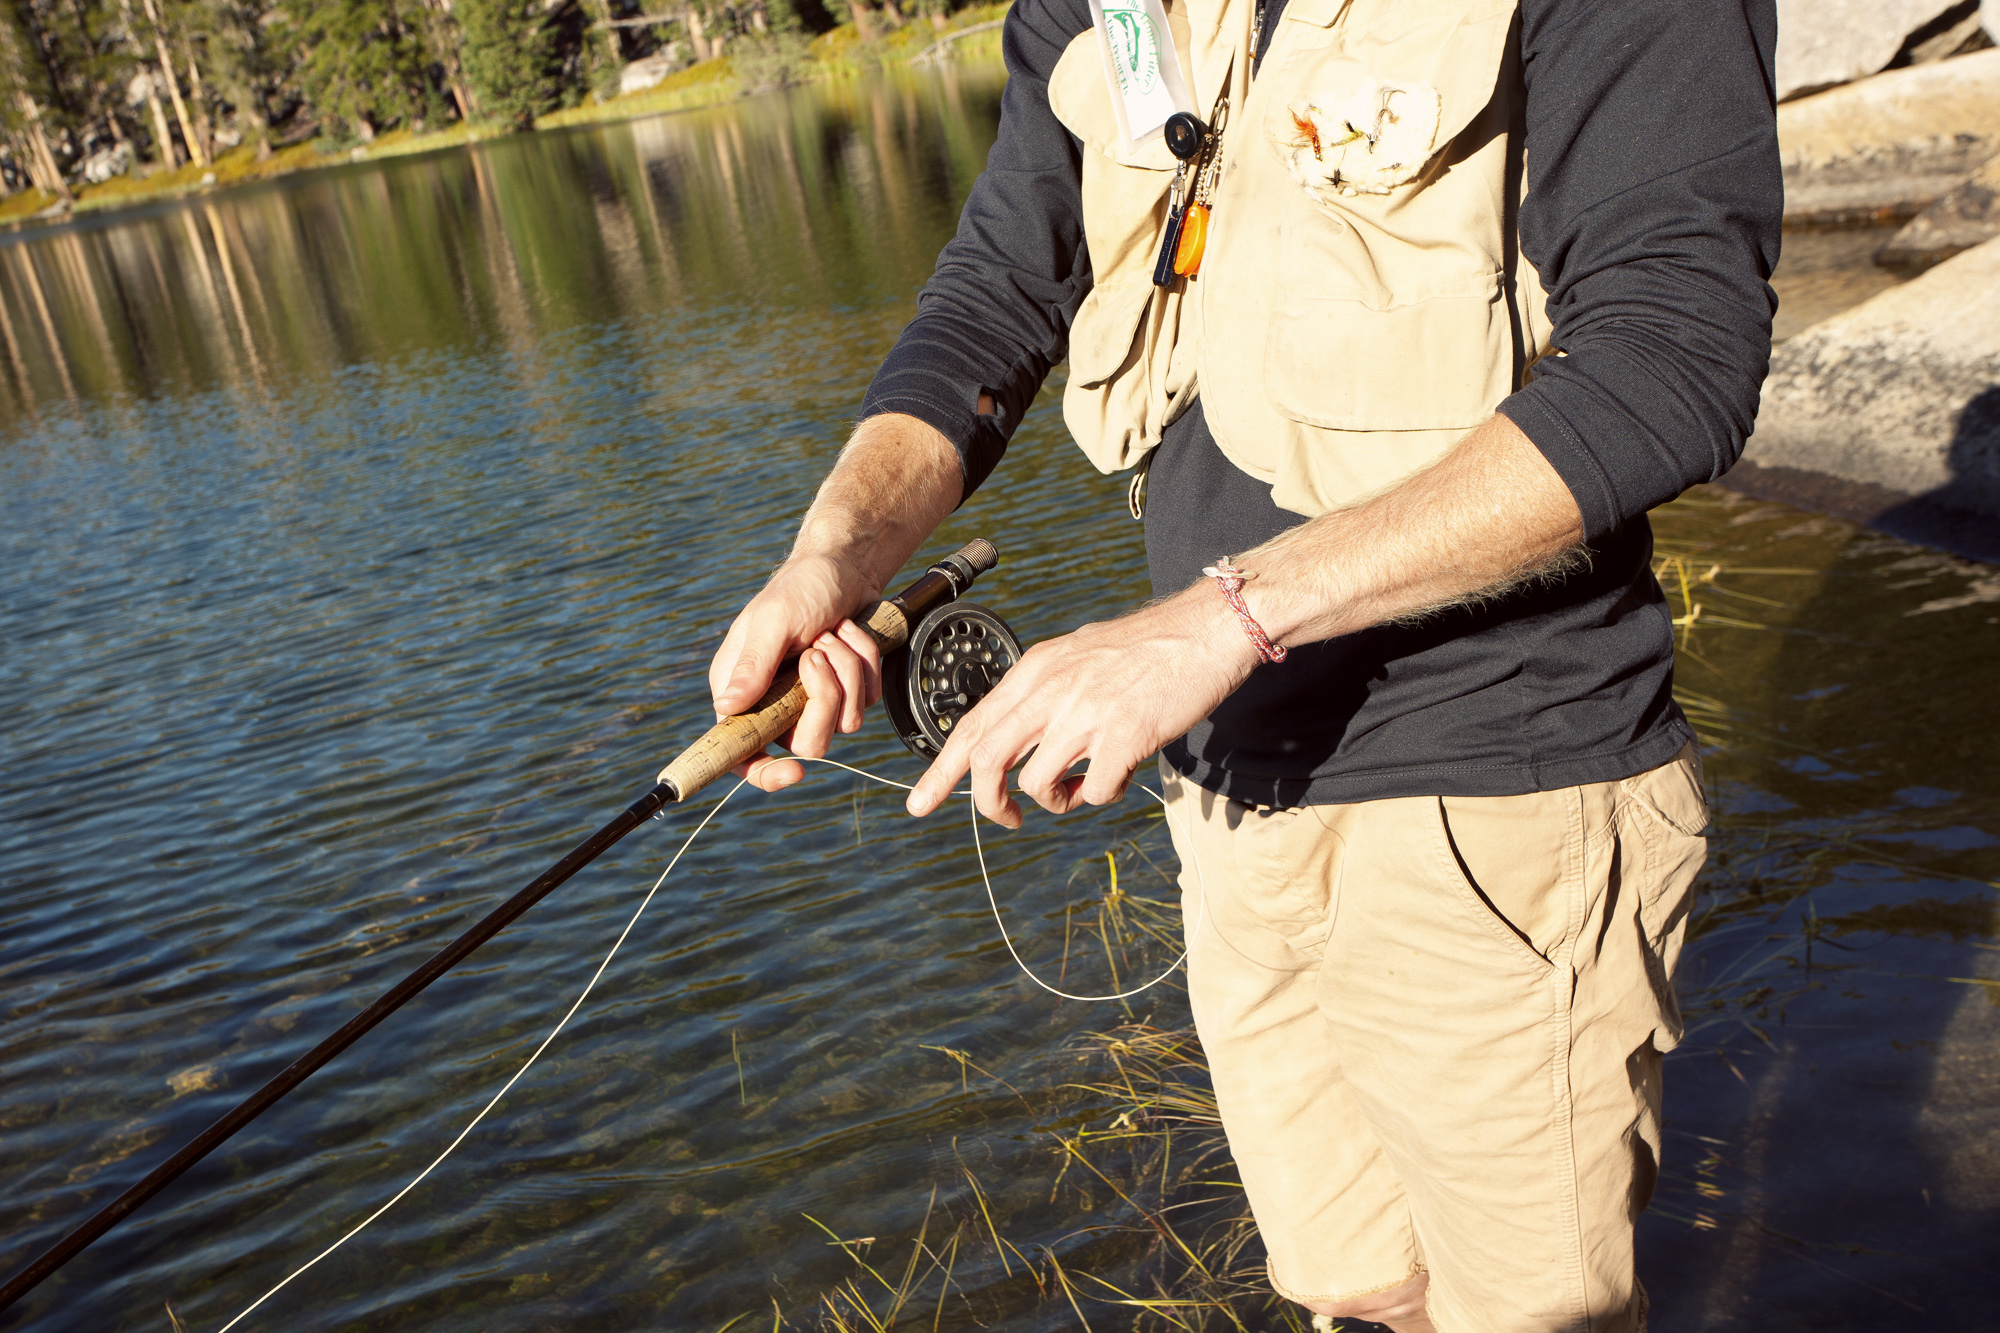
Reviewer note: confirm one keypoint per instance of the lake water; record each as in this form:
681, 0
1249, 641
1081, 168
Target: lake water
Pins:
366, 536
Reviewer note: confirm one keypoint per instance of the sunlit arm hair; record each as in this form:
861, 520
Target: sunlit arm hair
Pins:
1490, 516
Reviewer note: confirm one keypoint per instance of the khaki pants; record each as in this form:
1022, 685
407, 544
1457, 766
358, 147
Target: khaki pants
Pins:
1435, 1026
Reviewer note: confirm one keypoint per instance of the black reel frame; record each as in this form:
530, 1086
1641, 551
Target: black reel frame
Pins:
954, 658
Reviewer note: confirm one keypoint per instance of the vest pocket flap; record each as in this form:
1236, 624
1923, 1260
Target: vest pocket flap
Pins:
1346, 363
1319, 13
1106, 328
1469, 64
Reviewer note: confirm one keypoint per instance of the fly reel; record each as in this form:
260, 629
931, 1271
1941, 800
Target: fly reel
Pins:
953, 659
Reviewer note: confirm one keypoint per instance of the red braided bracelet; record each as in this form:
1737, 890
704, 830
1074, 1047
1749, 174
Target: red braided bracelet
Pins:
1231, 580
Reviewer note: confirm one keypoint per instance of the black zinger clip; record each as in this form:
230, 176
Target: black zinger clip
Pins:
1186, 135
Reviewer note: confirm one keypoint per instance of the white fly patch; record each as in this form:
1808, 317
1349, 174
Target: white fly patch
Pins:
1368, 142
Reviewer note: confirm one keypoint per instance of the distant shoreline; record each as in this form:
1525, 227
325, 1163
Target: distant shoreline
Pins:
971, 37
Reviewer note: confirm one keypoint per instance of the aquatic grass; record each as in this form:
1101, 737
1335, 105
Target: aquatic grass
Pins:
1687, 576
1701, 590
1122, 920
1204, 1265
1177, 1251
851, 1306
1157, 1233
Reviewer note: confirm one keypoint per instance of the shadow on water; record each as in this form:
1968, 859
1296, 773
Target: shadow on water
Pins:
1963, 515
1834, 1111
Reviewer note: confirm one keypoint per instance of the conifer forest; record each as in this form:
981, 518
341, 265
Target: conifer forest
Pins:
92, 89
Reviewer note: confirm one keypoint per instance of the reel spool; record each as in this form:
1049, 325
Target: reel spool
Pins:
953, 659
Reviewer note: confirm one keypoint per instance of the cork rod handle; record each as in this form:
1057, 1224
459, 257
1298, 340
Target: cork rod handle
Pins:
736, 739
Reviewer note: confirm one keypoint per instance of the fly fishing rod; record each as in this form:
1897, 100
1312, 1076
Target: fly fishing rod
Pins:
941, 657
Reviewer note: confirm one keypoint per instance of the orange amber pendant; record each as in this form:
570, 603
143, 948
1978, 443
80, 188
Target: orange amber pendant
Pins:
1194, 237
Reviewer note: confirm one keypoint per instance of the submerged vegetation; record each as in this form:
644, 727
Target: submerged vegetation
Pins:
103, 102
1146, 1226
1137, 1151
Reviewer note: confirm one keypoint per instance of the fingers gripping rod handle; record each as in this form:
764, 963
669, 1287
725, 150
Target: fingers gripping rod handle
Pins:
734, 740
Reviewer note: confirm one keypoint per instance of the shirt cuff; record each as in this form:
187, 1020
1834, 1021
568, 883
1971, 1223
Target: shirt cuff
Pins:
949, 407
1537, 417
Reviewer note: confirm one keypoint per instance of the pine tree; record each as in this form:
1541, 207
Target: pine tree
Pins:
446, 41
191, 139
240, 62
359, 66
142, 77
507, 57
24, 84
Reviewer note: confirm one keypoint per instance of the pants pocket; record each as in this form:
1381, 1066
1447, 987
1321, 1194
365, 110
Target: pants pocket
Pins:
1267, 879
1516, 854
1289, 864
1666, 812
1505, 860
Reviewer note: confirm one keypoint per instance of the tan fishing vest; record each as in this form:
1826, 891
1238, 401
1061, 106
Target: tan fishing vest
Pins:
1362, 302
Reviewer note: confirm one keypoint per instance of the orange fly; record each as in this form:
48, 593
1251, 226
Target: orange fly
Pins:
1310, 131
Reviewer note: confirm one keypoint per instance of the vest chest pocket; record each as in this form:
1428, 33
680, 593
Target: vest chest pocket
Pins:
1124, 210
1435, 358
1389, 311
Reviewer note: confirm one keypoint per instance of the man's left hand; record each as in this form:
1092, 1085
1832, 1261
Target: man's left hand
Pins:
1109, 694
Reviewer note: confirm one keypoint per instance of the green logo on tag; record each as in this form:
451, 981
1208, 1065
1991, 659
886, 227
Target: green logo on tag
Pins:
1135, 46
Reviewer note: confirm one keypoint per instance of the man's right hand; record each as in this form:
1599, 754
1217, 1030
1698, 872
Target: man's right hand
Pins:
803, 610
895, 482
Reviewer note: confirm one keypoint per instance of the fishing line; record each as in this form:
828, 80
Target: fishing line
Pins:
517, 1073
991, 898
1201, 899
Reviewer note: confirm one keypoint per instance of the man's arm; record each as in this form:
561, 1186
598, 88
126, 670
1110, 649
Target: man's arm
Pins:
995, 316
1490, 514
1653, 210
896, 480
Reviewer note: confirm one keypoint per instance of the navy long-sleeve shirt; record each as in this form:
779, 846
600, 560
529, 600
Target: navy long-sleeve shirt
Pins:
1652, 218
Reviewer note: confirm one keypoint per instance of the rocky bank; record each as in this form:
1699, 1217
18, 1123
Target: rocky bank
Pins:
1888, 145
1890, 411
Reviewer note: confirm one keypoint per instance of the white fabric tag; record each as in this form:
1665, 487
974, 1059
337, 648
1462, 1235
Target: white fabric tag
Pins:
1140, 65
